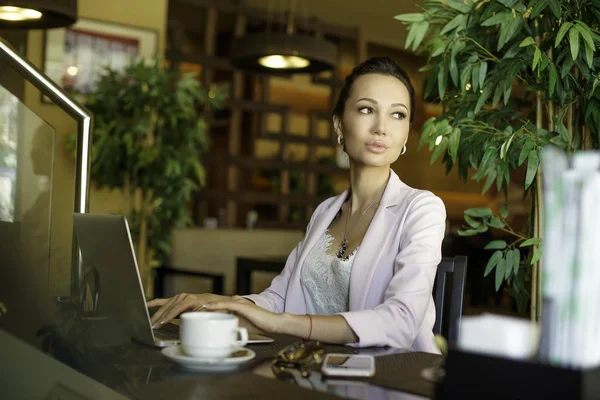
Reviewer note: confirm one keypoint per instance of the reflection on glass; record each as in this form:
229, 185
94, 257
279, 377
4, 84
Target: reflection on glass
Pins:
25, 192
8, 154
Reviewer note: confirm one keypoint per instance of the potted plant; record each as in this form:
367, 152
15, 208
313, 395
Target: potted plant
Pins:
513, 77
149, 136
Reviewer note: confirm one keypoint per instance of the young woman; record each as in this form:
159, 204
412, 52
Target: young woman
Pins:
364, 273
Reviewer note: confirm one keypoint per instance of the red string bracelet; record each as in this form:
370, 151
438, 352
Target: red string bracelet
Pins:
309, 332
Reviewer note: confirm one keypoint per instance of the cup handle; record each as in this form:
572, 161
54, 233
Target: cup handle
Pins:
244, 337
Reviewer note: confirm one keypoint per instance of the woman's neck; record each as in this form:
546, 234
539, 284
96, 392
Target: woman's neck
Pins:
368, 185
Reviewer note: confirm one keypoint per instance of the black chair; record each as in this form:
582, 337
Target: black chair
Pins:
448, 294
164, 271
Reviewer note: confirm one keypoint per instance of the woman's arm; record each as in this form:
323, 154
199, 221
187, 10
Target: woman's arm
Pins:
326, 328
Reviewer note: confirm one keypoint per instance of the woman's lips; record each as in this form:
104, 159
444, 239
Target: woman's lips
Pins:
376, 146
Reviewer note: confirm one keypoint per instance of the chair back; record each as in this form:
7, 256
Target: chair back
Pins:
448, 294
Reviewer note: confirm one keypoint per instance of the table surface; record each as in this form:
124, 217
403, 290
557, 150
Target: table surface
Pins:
142, 372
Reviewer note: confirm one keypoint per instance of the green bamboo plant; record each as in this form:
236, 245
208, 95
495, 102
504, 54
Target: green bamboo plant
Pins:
513, 77
149, 136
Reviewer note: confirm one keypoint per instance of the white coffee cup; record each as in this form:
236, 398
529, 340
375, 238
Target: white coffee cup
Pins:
210, 334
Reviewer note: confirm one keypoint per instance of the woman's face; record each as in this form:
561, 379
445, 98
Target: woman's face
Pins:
376, 118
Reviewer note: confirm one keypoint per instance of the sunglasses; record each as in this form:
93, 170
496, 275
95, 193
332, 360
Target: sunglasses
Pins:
301, 356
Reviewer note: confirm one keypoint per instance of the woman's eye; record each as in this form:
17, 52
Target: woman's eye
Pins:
399, 115
365, 110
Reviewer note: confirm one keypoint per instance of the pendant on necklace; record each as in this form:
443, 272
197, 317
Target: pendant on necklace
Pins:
342, 249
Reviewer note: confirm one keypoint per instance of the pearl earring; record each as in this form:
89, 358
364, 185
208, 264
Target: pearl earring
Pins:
340, 140
403, 150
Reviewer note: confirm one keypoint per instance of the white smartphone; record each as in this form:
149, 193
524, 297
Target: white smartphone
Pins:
348, 365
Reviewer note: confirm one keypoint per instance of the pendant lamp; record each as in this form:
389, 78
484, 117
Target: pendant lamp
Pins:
37, 14
283, 52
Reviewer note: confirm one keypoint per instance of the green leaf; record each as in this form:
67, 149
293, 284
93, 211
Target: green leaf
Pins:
491, 176
442, 83
574, 43
532, 166
536, 58
504, 211
509, 264
487, 90
454, 71
496, 245
589, 55
482, 74
562, 32
439, 150
454, 142
538, 8
478, 212
500, 273
527, 147
473, 223
531, 242
496, 223
467, 232
475, 76
411, 17
585, 32
555, 7
420, 29
509, 30
536, 255
497, 19
553, 76
528, 41
412, 32
459, 23
516, 255
458, 6
492, 262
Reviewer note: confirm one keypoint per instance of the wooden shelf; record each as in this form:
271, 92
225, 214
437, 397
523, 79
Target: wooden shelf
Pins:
251, 162
242, 120
290, 138
262, 197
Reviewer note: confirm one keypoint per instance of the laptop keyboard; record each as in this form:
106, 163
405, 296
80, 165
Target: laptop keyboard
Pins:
168, 331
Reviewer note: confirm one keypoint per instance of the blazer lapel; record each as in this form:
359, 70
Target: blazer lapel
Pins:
373, 243
322, 222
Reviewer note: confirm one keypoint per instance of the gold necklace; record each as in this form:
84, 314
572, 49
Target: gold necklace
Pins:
341, 253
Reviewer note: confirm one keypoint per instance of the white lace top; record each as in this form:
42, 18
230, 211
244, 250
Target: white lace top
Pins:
325, 279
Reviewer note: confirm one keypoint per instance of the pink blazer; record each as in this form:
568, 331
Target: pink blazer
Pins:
392, 276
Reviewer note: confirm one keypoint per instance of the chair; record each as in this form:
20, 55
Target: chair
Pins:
448, 293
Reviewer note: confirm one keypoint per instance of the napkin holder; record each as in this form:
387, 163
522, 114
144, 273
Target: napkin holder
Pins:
474, 375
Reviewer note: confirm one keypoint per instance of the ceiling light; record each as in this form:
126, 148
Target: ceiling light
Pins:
283, 62
282, 52
37, 14
72, 70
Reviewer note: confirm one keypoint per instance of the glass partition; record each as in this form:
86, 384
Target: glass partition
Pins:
27, 146
42, 183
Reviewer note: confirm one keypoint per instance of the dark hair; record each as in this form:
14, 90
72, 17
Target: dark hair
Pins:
375, 65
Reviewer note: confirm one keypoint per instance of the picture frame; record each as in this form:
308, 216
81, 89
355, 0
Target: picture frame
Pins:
75, 57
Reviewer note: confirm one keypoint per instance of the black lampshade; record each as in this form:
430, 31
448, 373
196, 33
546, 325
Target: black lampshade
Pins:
308, 54
54, 14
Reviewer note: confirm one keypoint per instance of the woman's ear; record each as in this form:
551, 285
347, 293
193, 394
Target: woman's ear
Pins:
337, 125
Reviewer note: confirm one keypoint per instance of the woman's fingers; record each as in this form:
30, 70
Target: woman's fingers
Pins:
188, 303
156, 302
158, 316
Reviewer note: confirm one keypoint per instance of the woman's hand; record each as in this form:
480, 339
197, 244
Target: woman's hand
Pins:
182, 302
265, 321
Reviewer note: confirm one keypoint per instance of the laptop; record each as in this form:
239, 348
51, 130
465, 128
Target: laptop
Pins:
106, 245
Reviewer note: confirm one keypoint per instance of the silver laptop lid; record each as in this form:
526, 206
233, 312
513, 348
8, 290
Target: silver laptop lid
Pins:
106, 245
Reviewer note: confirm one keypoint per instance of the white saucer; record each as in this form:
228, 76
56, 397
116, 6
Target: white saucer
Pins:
237, 357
